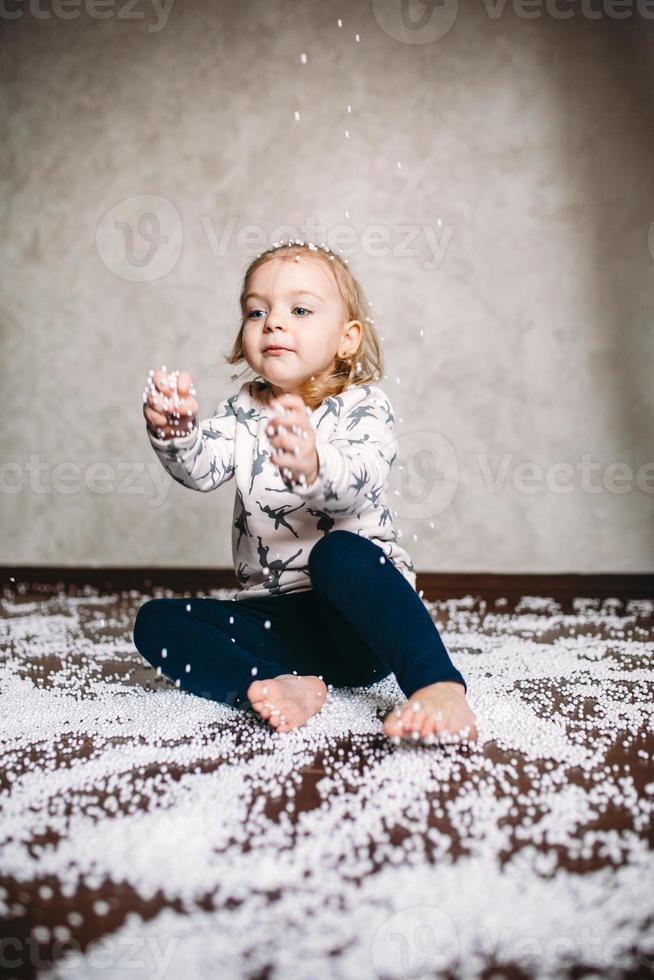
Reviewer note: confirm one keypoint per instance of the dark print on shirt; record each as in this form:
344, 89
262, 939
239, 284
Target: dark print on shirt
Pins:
349, 493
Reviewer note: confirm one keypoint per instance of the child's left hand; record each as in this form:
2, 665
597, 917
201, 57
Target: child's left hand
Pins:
293, 439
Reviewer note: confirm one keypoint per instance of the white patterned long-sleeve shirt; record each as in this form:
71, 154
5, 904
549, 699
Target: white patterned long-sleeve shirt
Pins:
276, 523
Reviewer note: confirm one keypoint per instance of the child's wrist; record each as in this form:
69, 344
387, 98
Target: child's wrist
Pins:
175, 434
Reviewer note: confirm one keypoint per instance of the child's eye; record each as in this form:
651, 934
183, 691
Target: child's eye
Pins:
251, 315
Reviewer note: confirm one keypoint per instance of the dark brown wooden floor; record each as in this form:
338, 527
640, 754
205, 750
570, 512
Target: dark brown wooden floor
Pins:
477, 629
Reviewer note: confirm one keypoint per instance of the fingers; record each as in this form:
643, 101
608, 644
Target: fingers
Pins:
171, 394
289, 429
190, 407
291, 409
280, 433
289, 418
286, 443
185, 383
289, 402
156, 419
155, 400
187, 408
164, 381
161, 380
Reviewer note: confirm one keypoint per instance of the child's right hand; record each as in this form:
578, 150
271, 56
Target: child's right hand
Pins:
169, 406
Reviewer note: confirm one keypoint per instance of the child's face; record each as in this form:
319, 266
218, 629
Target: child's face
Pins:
296, 305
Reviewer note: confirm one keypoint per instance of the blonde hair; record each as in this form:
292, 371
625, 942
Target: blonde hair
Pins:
362, 366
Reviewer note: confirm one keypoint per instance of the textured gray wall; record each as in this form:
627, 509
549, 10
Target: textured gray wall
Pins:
526, 187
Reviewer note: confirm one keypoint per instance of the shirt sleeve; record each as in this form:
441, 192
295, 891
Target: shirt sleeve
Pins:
355, 463
204, 459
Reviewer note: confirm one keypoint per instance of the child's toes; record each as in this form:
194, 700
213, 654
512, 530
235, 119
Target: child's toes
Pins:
423, 729
393, 734
394, 725
426, 724
413, 720
255, 691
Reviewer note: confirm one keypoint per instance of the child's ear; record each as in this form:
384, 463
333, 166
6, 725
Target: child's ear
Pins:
354, 333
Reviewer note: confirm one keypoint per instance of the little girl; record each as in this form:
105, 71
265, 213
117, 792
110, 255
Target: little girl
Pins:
328, 595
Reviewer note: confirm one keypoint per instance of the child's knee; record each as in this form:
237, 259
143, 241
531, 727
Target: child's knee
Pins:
330, 548
337, 552
144, 624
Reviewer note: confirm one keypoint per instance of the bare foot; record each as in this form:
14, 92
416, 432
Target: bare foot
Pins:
287, 701
432, 712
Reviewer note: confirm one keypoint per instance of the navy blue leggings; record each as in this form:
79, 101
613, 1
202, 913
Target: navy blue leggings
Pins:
360, 620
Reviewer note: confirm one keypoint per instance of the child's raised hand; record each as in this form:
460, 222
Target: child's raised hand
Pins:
293, 439
169, 406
